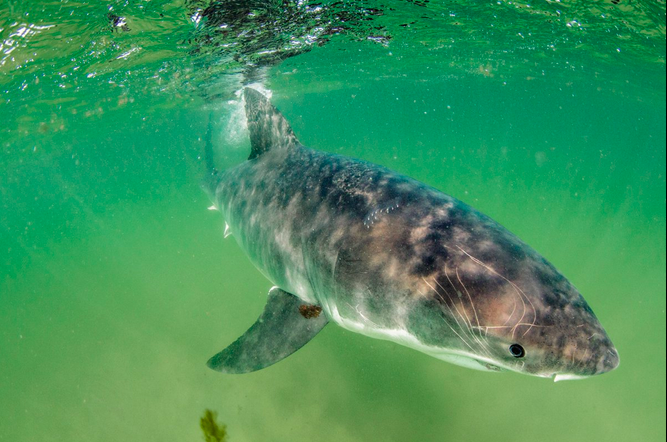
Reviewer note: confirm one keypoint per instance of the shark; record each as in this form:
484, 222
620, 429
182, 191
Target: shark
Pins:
384, 255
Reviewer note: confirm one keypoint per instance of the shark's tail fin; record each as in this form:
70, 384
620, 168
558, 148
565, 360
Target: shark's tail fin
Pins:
267, 126
268, 130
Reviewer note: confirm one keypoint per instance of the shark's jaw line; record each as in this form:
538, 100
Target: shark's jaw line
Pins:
402, 337
567, 377
456, 357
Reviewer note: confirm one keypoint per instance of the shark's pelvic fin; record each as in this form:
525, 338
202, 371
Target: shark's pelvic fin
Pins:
285, 326
268, 128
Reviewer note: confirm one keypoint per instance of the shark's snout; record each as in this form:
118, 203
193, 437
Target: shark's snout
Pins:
608, 361
599, 358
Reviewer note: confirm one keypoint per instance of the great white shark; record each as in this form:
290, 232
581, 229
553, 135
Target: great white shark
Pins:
384, 255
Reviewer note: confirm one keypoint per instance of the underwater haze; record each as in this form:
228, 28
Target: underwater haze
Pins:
117, 285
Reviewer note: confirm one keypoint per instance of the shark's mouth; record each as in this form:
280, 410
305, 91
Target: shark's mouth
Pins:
457, 357
484, 364
567, 377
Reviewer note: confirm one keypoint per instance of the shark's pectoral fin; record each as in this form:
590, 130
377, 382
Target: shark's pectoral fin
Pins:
285, 325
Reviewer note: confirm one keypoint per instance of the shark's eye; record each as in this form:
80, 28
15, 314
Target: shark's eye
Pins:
517, 351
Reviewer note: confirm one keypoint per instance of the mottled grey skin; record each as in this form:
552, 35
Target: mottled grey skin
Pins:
390, 257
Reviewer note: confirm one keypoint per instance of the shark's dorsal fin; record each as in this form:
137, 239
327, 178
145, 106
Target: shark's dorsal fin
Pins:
285, 326
268, 128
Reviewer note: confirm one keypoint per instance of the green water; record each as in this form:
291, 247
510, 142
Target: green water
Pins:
116, 284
